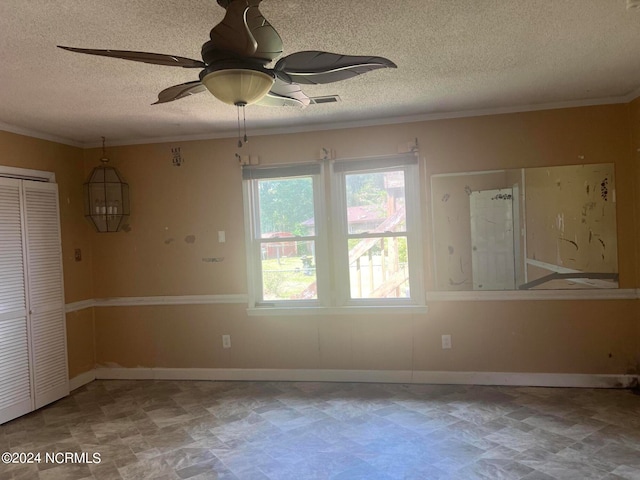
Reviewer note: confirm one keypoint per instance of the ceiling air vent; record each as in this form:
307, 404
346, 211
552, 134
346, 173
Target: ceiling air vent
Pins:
325, 99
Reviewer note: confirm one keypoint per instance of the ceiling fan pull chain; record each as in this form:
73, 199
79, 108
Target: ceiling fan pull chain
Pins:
239, 139
244, 119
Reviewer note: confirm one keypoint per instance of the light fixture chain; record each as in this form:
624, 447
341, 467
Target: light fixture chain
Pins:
104, 158
244, 119
239, 139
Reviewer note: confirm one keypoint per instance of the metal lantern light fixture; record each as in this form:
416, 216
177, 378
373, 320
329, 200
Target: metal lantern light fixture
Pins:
106, 197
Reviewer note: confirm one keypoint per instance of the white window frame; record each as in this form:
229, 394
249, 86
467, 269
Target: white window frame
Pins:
331, 245
408, 164
254, 242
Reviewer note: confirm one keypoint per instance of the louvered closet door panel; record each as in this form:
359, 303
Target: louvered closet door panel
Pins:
15, 379
46, 296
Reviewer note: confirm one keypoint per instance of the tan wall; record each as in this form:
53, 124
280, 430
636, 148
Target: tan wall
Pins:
176, 214
634, 121
559, 336
177, 211
81, 353
67, 163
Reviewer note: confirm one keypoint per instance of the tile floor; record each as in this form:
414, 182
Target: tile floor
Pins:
280, 431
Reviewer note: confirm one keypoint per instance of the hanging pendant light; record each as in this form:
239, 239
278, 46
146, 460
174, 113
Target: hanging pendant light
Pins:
106, 197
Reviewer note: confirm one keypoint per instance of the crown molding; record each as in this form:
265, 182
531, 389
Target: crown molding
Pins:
40, 135
334, 125
630, 97
378, 121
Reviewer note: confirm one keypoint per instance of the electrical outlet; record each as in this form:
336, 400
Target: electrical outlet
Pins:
226, 341
221, 236
446, 341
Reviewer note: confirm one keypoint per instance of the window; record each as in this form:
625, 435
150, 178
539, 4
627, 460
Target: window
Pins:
367, 252
284, 243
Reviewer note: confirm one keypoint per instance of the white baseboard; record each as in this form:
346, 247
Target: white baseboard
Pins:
257, 374
82, 379
580, 380
371, 376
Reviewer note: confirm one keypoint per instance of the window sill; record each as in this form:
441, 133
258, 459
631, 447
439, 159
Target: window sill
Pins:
358, 310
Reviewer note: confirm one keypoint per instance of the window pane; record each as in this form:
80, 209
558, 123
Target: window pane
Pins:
376, 202
379, 267
286, 207
288, 270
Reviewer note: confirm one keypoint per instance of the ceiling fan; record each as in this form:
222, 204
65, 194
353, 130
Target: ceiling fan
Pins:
234, 63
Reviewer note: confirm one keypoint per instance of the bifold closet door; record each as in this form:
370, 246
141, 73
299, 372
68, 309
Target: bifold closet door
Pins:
45, 292
15, 376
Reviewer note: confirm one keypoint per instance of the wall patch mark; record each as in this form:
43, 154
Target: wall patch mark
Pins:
587, 207
571, 242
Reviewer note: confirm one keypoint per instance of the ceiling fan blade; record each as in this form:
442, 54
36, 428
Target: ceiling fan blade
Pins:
284, 94
245, 32
313, 67
145, 57
180, 91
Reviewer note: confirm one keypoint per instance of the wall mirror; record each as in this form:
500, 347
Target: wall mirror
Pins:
526, 229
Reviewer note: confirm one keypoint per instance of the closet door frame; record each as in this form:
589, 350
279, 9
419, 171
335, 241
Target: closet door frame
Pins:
27, 174
26, 179
16, 391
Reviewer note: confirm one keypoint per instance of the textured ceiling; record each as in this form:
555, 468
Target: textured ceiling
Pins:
452, 56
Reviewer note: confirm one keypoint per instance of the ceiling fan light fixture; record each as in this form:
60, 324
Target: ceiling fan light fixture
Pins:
238, 86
